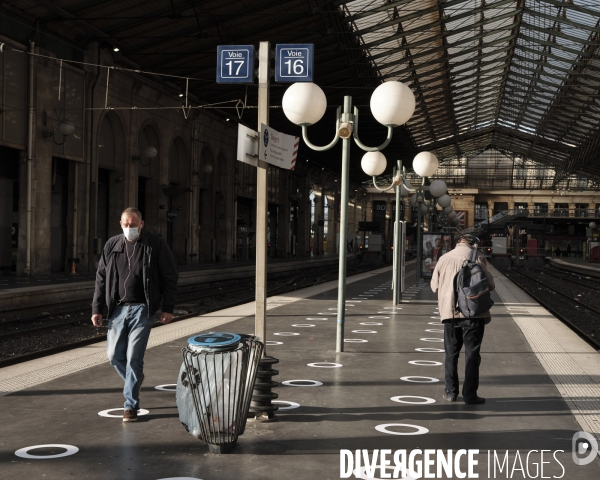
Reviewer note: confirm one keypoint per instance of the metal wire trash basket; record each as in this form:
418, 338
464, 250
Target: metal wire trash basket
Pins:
214, 387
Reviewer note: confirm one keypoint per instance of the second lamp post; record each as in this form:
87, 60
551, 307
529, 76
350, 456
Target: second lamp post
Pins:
304, 104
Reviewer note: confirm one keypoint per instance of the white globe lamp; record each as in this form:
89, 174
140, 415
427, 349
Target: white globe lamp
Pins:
373, 163
452, 215
413, 200
404, 192
424, 208
150, 152
438, 188
592, 225
444, 201
448, 210
66, 127
392, 103
304, 103
425, 164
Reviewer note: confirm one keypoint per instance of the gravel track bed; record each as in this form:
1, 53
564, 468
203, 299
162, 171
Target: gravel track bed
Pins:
578, 277
64, 335
571, 309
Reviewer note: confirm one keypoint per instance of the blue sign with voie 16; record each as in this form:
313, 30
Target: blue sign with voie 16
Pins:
294, 62
235, 64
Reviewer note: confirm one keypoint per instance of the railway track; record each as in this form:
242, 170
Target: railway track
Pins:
579, 279
64, 329
573, 302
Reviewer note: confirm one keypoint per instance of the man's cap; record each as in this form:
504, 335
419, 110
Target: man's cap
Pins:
470, 239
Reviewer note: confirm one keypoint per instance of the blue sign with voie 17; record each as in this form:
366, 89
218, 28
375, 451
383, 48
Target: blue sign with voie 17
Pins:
294, 62
235, 63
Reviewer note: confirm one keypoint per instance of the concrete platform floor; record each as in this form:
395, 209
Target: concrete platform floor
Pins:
383, 392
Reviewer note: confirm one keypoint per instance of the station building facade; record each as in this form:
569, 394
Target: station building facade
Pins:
129, 142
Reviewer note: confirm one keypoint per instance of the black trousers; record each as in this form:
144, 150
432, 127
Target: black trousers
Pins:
467, 331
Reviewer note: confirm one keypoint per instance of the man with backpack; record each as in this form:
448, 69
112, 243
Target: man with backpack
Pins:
463, 284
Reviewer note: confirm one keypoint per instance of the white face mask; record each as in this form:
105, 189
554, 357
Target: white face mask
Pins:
131, 233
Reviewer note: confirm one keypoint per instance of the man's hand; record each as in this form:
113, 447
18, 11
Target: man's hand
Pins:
97, 319
165, 318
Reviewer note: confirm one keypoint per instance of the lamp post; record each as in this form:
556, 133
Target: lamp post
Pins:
425, 164
374, 165
392, 104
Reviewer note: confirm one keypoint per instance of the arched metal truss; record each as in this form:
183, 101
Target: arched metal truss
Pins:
520, 77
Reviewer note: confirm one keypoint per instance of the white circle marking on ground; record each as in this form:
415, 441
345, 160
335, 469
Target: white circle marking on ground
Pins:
361, 473
429, 350
167, 387
325, 365
434, 323
313, 383
429, 379
273, 342
379, 317
384, 429
399, 398
371, 323
106, 413
291, 405
302, 325
425, 363
180, 478
315, 318
434, 330
432, 339
355, 340
364, 331
24, 452
286, 334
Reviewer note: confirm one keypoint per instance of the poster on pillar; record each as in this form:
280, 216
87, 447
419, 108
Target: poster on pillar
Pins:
434, 246
461, 216
278, 148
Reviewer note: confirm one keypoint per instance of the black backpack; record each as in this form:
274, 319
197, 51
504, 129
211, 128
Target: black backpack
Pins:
471, 290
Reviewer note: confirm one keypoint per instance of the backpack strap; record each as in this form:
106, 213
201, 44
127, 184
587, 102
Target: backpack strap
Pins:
473, 258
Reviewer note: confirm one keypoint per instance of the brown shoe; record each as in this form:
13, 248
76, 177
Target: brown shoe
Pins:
130, 415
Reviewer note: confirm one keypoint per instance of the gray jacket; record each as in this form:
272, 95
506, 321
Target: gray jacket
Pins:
442, 280
160, 274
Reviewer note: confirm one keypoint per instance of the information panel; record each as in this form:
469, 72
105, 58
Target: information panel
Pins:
235, 64
278, 148
294, 62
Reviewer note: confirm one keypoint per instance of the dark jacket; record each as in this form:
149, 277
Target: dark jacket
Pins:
160, 274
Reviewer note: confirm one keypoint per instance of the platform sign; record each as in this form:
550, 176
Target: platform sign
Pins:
278, 148
294, 62
247, 146
235, 64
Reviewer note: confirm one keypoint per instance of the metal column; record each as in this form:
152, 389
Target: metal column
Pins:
341, 303
260, 327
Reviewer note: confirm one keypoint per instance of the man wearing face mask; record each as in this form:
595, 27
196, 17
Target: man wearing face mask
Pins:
136, 270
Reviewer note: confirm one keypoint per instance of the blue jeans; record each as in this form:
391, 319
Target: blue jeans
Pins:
127, 338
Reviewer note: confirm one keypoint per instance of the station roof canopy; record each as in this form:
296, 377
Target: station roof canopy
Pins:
520, 77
